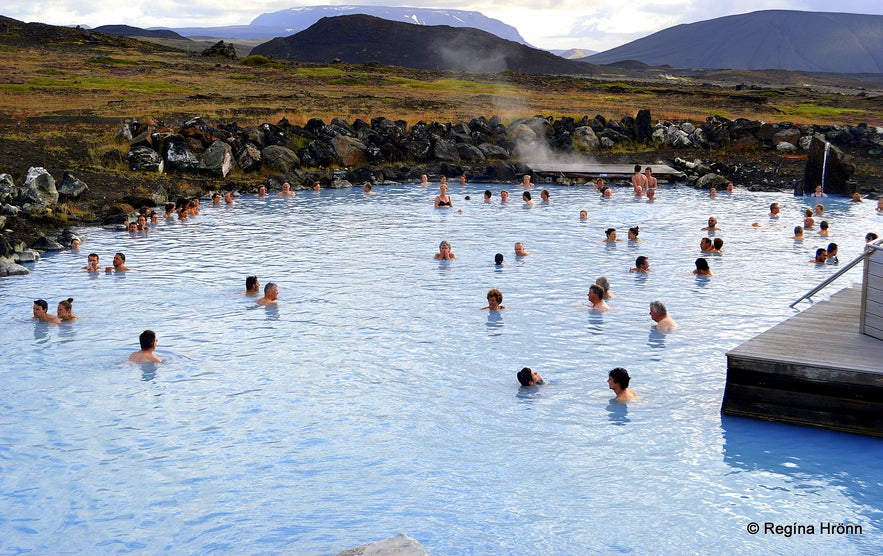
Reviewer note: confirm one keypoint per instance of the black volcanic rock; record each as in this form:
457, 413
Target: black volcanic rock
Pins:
771, 39
360, 39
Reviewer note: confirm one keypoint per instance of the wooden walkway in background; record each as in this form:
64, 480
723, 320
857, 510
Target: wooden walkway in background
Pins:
815, 368
593, 171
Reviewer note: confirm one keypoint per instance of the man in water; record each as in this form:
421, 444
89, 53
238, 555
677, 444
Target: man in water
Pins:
618, 380
596, 299
252, 287
119, 264
659, 314
821, 256
529, 377
504, 196
831, 254
444, 251
91, 263
651, 181
271, 293
642, 265
712, 225
40, 312
520, 251
638, 179
147, 339
774, 210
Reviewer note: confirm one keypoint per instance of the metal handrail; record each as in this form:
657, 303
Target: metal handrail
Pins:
877, 245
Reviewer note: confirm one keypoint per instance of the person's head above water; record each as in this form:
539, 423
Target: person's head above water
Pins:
529, 377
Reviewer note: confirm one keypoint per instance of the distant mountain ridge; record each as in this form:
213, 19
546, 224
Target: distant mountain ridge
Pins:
362, 39
287, 22
129, 31
769, 39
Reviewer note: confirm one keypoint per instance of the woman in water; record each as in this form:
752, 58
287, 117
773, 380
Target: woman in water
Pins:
443, 200
702, 268
633, 233
611, 235
65, 309
444, 252
494, 300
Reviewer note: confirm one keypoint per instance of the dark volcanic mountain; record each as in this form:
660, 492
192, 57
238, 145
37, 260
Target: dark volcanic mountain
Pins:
772, 39
362, 39
128, 31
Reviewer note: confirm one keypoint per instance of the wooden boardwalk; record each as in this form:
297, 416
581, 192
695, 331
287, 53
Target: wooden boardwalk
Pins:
592, 171
815, 368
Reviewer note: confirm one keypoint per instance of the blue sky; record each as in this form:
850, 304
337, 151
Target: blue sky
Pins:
551, 24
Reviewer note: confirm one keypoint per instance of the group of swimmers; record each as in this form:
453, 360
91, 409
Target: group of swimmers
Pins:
642, 183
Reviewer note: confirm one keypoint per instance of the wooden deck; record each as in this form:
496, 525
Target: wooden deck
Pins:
816, 368
592, 171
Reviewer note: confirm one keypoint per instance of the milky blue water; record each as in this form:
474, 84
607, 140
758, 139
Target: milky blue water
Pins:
378, 397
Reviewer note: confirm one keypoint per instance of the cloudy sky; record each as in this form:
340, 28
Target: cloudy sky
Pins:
590, 24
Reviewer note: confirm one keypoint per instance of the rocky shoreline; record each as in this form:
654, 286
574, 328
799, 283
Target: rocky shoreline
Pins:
195, 158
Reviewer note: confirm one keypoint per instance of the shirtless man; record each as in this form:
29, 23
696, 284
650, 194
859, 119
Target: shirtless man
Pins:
774, 210
92, 263
706, 245
252, 287
520, 251
147, 339
119, 264
504, 196
652, 182
596, 299
618, 380
529, 377
40, 312
286, 190
642, 265
659, 314
271, 293
712, 225
638, 179
262, 191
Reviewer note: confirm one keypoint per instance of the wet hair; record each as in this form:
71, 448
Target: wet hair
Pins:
634, 230
598, 290
92, 255
831, 247
718, 243
798, 230
659, 307
250, 282
487, 193
808, 213
67, 304
122, 256
498, 258
608, 231
525, 376
495, 294
526, 195
706, 241
702, 264
444, 243
821, 251
620, 376
269, 287
639, 262
545, 192
773, 206
823, 224
871, 236
648, 169
170, 207
637, 167
147, 339
41, 303
604, 283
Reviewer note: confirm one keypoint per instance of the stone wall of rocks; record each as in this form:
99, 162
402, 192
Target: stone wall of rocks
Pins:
384, 149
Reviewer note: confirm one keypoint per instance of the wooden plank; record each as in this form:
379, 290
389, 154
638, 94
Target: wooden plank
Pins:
815, 368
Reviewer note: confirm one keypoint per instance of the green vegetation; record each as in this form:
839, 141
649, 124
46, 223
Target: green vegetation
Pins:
348, 80
319, 72
818, 113
453, 85
92, 84
258, 61
109, 60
